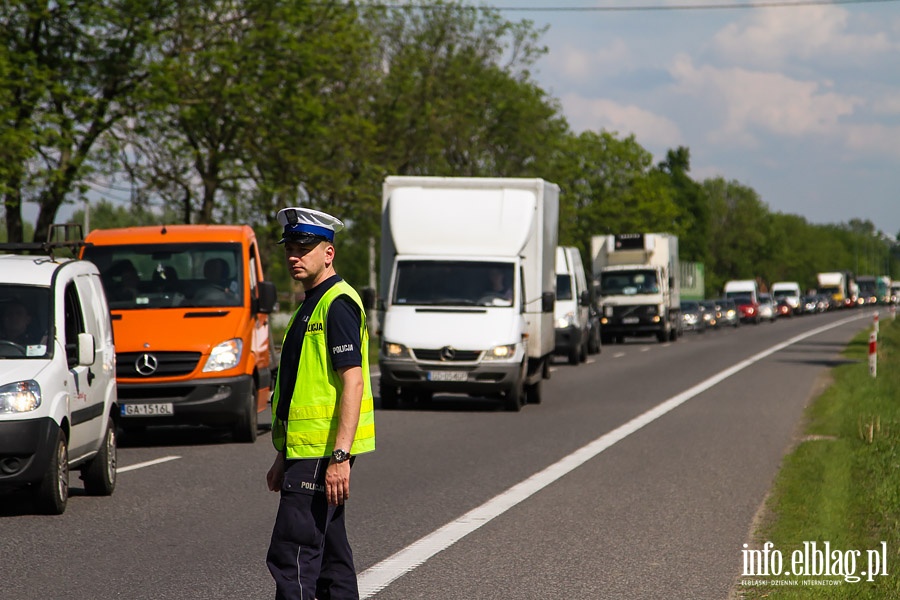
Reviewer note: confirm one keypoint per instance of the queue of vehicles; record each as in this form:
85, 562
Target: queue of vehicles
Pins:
170, 324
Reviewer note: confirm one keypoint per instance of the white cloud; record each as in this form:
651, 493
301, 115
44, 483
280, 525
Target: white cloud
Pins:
750, 100
879, 141
650, 129
580, 65
772, 37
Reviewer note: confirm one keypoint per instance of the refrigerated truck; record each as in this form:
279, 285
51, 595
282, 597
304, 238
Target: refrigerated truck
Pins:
467, 287
639, 277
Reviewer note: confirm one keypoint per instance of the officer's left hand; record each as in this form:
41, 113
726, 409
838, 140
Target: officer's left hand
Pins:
337, 482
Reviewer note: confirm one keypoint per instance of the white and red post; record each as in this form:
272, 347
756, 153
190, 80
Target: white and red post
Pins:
873, 353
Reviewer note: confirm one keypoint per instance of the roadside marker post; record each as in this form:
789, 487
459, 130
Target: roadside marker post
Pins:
875, 322
873, 353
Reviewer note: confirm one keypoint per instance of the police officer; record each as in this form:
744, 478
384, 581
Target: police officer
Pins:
322, 417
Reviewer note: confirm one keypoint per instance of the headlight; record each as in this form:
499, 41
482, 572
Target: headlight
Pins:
501, 352
566, 321
19, 397
391, 350
224, 356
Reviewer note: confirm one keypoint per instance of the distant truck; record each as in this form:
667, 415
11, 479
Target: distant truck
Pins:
834, 285
190, 311
745, 293
789, 291
868, 292
639, 277
467, 287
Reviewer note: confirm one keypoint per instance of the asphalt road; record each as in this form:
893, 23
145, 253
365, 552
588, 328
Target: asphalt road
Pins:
654, 508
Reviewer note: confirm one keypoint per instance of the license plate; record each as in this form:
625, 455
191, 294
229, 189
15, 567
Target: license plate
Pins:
631, 320
447, 376
147, 410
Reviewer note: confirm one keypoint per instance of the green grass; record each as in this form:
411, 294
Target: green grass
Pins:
841, 484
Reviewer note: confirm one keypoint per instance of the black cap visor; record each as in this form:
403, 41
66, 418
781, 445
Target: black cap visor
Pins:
304, 239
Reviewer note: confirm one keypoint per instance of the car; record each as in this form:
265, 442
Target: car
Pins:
784, 309
58, 399
711, 314
767, 308
808, 305
729, 311
692, 316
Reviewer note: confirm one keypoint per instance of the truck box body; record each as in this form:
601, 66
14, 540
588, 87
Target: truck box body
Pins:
444, 240
834, 285
640, 281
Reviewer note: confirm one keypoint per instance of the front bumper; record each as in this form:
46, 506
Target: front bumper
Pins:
645, 326
26, 448
218, 401
484, 378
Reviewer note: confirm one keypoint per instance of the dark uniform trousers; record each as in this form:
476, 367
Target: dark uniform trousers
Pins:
309, 555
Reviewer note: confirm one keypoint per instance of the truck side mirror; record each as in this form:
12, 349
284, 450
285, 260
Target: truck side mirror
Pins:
547, 301
86, 348
585, 298
368, 298
266, 297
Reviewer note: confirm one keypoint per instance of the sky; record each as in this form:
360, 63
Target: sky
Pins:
800, 103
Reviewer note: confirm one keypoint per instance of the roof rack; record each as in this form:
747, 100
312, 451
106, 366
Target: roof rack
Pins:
60, 235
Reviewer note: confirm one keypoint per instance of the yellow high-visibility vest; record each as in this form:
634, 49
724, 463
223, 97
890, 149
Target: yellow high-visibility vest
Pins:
315, 403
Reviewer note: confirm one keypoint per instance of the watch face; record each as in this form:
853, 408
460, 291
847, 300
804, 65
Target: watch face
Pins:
340, 455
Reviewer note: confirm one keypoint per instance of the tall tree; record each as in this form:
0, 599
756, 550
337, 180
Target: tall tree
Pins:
74, 68
693, 244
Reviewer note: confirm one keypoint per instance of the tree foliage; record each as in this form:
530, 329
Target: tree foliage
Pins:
228, 110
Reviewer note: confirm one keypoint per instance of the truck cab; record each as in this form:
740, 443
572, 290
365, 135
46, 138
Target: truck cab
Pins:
190, 309
58, 402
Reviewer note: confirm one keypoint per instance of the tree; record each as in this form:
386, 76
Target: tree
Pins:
73, 70
693, 220
608, 186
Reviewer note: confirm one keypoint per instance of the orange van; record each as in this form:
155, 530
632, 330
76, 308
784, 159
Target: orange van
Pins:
189, 308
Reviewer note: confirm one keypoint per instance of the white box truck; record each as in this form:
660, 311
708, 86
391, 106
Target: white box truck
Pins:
467, 287
639, 278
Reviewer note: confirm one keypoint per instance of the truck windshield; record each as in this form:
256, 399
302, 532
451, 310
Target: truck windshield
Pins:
453, 283
170, 275
628, 283
24, 321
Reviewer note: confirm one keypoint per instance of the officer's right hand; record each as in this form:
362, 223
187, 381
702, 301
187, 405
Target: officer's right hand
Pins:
276, 473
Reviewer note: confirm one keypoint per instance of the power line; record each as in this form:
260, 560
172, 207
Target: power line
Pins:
652, 7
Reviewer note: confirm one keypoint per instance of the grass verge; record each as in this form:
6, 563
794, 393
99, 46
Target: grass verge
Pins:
841, 487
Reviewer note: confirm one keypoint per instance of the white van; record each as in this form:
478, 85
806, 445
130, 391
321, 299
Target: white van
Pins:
745, 293
58, 404
571, 313
789, 291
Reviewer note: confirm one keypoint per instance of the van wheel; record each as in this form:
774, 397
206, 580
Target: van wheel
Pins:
245, 430
574, 354
513, 398
99, 475
53, 491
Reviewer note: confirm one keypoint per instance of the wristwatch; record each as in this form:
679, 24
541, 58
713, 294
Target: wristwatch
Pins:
340, 456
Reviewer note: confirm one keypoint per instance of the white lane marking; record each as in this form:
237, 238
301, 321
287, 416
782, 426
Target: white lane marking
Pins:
618, 355
379, 576
645, 348
149, 463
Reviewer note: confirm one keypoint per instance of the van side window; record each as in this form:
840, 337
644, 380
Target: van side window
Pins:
253, 272
74, 322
